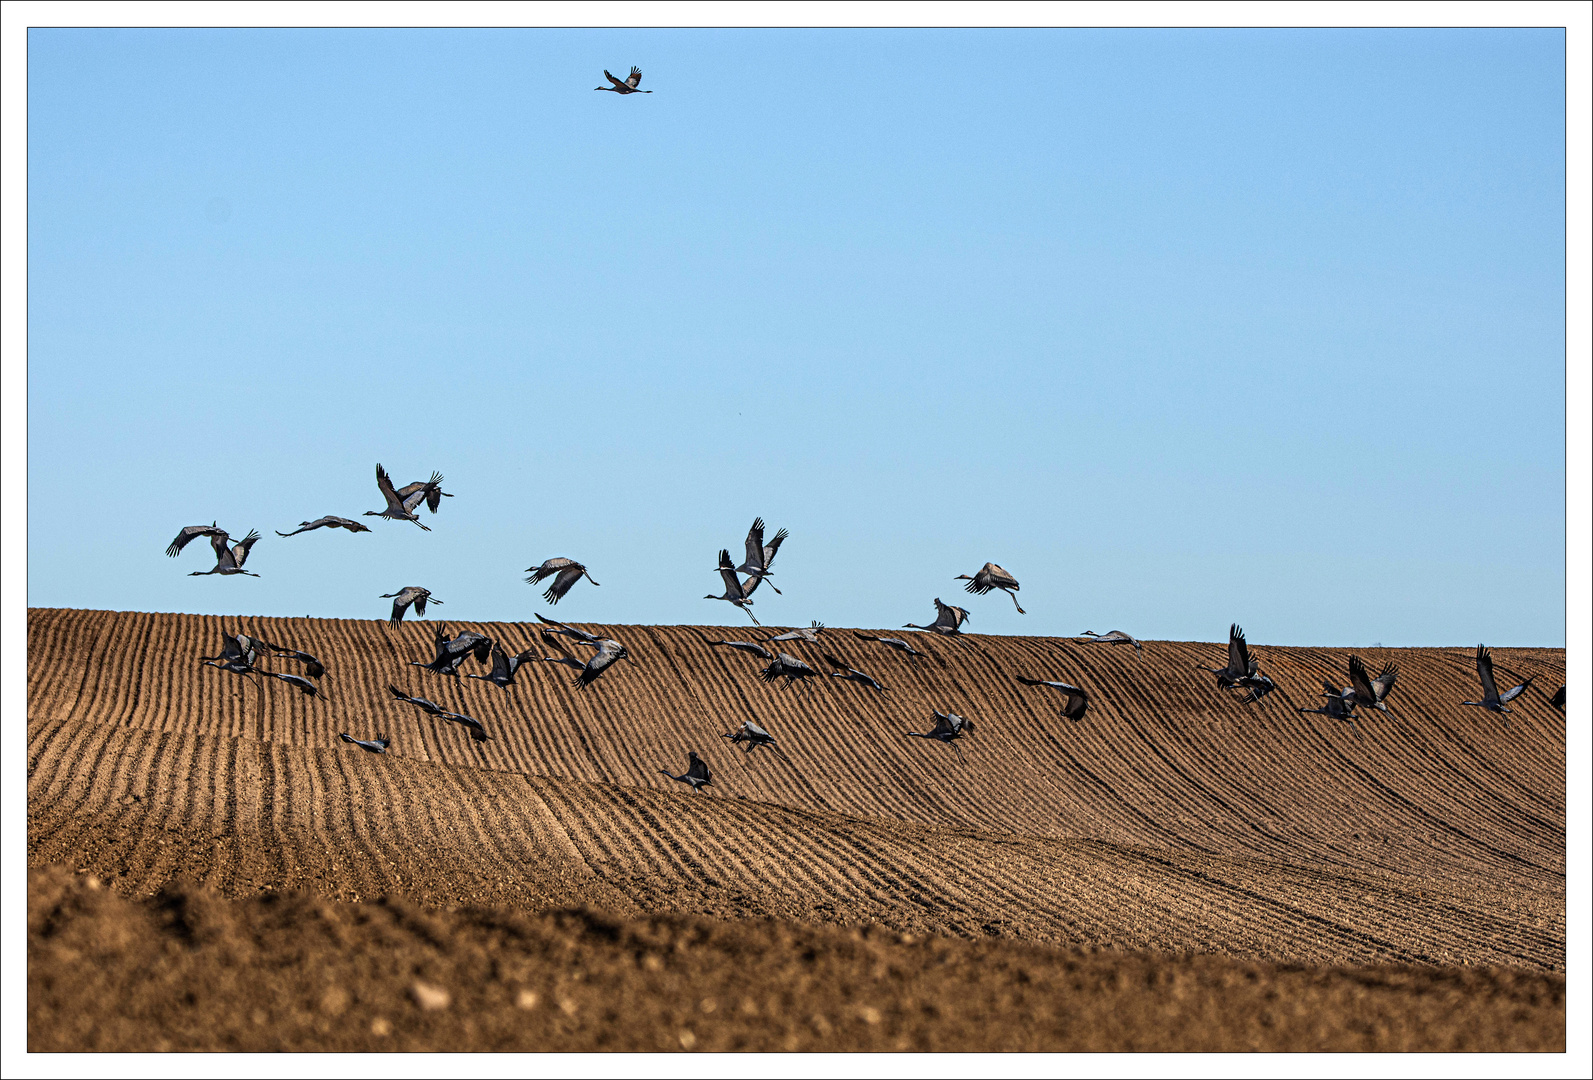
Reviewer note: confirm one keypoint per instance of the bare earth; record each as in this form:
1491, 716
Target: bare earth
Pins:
1175, 871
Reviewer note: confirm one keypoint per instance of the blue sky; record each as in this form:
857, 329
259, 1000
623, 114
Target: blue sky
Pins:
1182, 328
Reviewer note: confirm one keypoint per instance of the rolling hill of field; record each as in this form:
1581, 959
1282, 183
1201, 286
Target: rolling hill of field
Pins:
1171, 819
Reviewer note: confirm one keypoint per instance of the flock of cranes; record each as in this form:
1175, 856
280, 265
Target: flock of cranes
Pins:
242, 654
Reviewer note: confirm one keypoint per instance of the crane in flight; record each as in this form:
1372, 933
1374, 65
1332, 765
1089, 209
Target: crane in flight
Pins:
949, 727
328, 522
1492, 699
1112, 637
734, 592
1340, 705
893, 642
1366, 691
786, 667
377, 745
569, 572
399, 507
409, 594
991, 576
760, 557
752, 647
851, 674
750, 736
696, 773
229, 560
505, 666
948, 620
609, 651
1074, 704
628, 86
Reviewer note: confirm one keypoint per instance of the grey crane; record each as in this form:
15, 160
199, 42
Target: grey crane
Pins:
948, 620
1240, 666
851, 674
894, 642
1259, 686
430, 708
949, 727
504, 666
628, 86
696, 773
377, 745
760, 557
1492, 699
1558, 698
608, 652
750, 736
451, 652
229, 560
396, 509
1112, 637
409, 594
752, 647
734, 593
308, 688
1340, 705
430, 491
569, 572
991, 576
312, 667
786, 667
478, 731
1367, 691
809, 633
328, 522
1074, 704
241, 649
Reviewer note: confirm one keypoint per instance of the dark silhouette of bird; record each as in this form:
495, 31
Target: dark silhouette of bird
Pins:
431, 491
759, 557
409, 594
377, 745
628, 86
1112, 637
431, 708
569, 572
241, 649
1492, 699
949, 727
477, 730
608, 652
750, 736
504, 666
1340, 705
1367, 691
743, 646
786, 667
451, 652
312, 667
991, 576
894, 642
324, 523
809, 634
236, 667
1240, 665
1074, 705
307, 687
733, 590
948, 620
396, 510
696, 773
1558, 698
229, 560
851, 674
1259, 686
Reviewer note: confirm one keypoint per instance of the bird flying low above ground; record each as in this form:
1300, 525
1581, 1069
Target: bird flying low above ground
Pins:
991, 576
1340, 705
1074, 704
312, 667
569, 572
809, 634
451, 652
696, 773
241, 649
1112, 637
328, 522
948, 620
851, 674
949, 727
409, 594
1239, 663
305, 685
1367, 691
750, 736
229, 560
1558, 699
760, 557
1492, 699
431, 708
628, 86
734, 593
743, 646
786, 667
504, 666
608, 652
894, 642
396, 509
377, 745
477, 729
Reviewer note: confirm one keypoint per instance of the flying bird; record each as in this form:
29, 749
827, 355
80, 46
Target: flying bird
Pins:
1340, 705
396, 509
1240, 665
626, 87
477, 730
991, 576
948, 620
608, 652
744, 646
305, 685
851, 674
733, 590
1558, 699
696, 773
1076, 702
1492, 699
377, 745
431, 491
1259, 686
949, 727
786, 667
451, 652
894, 642
430, 708
240, 649
760, 558
809, 634
312, 667
1112, 637
409, 594
569, 572
750, 736
1367, 691
505, 666
327, 522
229, 560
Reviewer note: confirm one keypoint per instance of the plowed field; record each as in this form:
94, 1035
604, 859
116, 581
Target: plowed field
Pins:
1170, 819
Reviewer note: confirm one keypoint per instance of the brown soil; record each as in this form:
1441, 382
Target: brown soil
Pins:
1172, 820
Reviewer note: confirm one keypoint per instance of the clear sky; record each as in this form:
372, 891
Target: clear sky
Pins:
1180, 327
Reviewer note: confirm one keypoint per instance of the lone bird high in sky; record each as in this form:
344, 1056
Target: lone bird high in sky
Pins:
626, 87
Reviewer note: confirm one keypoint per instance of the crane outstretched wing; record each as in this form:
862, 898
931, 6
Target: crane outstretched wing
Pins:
1485, 673
635, 78
189, 533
